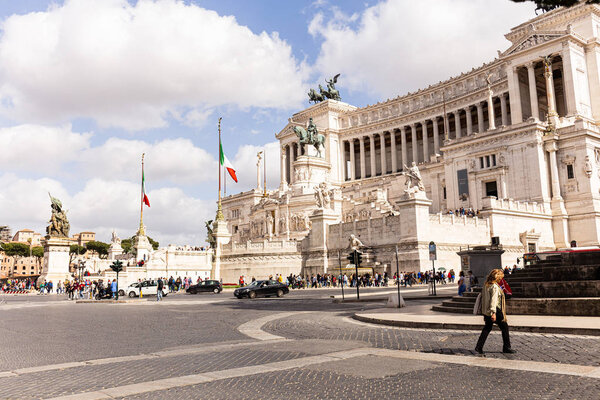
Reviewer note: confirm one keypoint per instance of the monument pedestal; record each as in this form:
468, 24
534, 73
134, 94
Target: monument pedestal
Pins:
413, 209
222, 236
142, 247
56, 260
318, 260
114, 251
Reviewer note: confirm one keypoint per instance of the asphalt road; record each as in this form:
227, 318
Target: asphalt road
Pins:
300, 346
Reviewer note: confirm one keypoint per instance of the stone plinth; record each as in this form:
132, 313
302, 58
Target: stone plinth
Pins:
56, 260
222, 237
114, 251
310, 171
142, 247
317, 241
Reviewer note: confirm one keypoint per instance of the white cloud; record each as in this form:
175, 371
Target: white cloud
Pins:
134, 66
60, 151
103, 205
39, 148
398, 45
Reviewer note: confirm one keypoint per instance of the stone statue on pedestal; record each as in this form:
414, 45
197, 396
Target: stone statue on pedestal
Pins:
209, 234
59, 224
414, 182
115, 239
355, 243
323, 195
310, 135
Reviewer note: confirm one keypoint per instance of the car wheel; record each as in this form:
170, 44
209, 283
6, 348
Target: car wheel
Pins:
216, 290
132, 294
164, 294
252, 295
279, 293
193, 292
121, 293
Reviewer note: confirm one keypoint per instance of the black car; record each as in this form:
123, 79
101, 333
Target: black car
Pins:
264, 288
206, 286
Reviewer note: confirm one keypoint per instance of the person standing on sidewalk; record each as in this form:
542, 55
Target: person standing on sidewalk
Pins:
493, 308
159, 290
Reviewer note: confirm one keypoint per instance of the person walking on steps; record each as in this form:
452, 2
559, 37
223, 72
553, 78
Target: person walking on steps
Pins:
493, 308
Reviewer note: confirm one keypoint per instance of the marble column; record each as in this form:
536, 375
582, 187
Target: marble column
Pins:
491, 116
292, 159
425, 142
352, 161
533, 97
480, 127
514, 89
503, 191
372, 155
552, 114
283, 165
403, 144
436, 136
415, 150
393, 148
457, 123
363, 166
551, 148
469, 120
503, 109
382, 155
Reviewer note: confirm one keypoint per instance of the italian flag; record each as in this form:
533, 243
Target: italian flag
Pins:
226, 164
144, 197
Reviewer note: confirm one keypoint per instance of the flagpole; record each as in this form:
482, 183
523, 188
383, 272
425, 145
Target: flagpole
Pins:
141, 231
220, 216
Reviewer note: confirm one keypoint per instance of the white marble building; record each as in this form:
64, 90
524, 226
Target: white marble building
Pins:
517, 139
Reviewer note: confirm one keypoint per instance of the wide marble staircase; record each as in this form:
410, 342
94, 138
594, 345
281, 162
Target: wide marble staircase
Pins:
561, 283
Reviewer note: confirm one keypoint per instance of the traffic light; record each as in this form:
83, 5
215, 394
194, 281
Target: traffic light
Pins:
117, 266
351, 257
358, 258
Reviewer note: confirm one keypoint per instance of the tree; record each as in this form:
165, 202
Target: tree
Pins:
548, 5
100, 248
74, 250
15, 249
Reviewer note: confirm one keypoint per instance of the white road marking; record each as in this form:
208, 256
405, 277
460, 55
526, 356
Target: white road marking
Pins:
254, 330
188, 380
181, 351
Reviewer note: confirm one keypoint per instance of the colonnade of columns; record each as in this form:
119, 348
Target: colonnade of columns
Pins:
387, 152
289, 154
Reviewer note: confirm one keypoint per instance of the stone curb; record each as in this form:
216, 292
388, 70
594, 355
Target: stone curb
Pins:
109, 301
476, 327
381, 299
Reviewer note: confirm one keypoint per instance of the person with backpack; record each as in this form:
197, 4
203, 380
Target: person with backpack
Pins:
493, 308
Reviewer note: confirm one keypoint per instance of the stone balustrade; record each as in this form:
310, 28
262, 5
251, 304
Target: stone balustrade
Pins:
493, 203
260, 247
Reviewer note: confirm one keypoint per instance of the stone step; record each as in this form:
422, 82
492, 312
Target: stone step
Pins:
465, 299
459, 304
471, 294
455, 310
558, 289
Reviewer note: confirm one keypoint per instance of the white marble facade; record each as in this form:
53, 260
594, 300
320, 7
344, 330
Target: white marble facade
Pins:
519, 141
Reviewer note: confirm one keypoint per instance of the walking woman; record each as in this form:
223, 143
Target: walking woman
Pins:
493, 308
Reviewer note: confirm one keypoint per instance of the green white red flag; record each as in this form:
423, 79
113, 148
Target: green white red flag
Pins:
144, 196
226, 164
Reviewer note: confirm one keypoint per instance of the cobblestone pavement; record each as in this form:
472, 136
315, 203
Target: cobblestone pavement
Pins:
183, 338
433, 381
569, 349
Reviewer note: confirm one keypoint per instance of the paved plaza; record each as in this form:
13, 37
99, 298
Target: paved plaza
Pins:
301, 346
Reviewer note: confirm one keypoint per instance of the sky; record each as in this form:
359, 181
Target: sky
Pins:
87, 86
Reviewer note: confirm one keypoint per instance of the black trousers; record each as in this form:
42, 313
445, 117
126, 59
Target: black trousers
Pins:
488, 328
